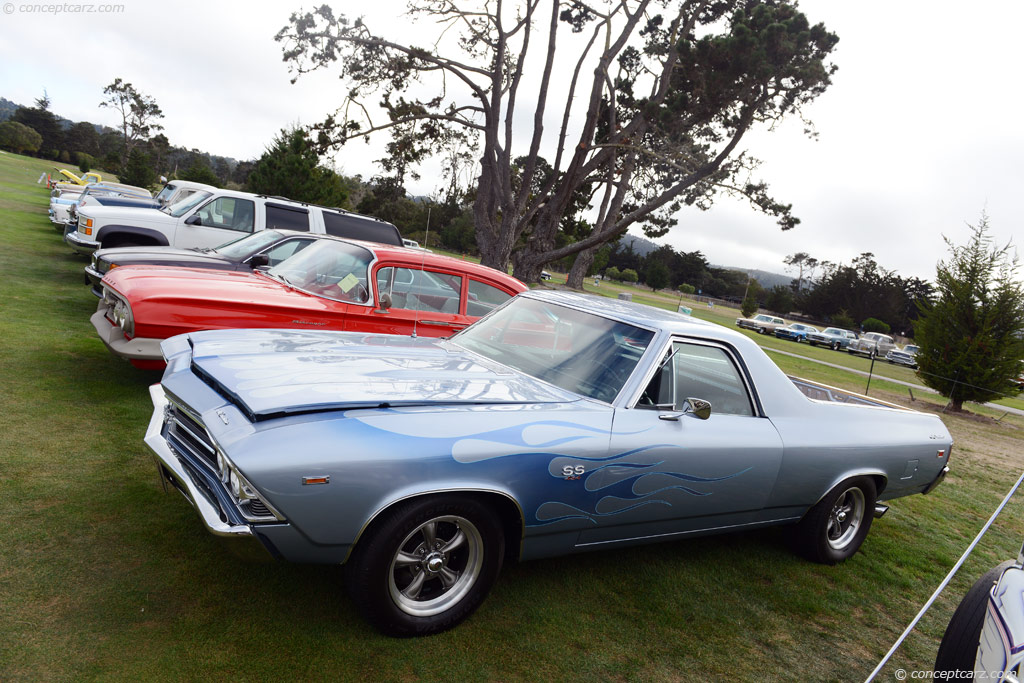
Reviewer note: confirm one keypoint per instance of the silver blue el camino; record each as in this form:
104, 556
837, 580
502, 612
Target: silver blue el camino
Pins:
559, 423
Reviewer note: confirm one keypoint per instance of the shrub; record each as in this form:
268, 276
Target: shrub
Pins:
875, 325
748, 307
687, 288
84, 161
629, 275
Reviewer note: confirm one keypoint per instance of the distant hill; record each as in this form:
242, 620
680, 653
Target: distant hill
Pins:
7, 108
767, 279
643, 246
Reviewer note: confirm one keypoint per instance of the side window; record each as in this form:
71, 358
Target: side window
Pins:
286, 249
699, 371
420, 290
484, 298
287, 218
229, 213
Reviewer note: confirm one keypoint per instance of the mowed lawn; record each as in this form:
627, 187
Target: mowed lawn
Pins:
103, 576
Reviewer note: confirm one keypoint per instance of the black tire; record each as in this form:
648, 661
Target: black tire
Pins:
836, 346
762, 330
392, 560
834, 529
959, 645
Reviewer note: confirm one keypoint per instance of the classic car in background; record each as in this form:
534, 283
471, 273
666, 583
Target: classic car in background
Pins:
264, 248
905, 356
332, 284
63, 207
795, 332
560, 423
65, 176
835, 338
763, 323
984, 639
267, 247
871, 344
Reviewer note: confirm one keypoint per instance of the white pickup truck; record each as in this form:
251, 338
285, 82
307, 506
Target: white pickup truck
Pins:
211, 218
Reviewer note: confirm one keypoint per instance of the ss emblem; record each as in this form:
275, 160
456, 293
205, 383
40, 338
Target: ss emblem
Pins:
573, 470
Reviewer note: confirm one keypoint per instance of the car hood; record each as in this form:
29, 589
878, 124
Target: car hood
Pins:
120, 201
210, 290
271, 373
164, 256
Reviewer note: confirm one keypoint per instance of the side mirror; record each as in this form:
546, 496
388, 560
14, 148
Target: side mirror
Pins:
700, 408
194, 219
385, 302
259, 260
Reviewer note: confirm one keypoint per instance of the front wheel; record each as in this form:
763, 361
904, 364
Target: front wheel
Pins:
834, 529
835, 346
426, 566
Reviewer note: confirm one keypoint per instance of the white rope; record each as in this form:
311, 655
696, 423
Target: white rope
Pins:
945, 581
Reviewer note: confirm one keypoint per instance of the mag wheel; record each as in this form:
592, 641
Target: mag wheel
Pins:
834, 529
426, 566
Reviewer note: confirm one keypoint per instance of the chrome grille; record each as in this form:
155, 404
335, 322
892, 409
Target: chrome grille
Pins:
187, 433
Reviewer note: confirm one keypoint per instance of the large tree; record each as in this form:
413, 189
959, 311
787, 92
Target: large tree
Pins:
19, 138
651, 100
139, 114
972, 337
43, 121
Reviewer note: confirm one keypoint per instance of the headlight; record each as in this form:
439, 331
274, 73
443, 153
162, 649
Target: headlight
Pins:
119, 311
248, 500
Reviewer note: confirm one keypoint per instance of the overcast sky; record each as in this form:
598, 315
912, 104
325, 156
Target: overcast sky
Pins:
918, 135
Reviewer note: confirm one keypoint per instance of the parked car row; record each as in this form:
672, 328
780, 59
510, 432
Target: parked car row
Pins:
870, 344
419, 419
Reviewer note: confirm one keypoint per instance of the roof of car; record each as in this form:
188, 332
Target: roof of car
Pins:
625, 311
425, 258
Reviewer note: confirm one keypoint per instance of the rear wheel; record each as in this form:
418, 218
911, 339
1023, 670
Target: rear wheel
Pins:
426, 566
834, 529
835, 346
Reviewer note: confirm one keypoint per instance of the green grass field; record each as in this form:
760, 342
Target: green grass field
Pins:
103, 576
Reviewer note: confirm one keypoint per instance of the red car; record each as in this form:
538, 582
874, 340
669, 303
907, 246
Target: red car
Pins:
332, 284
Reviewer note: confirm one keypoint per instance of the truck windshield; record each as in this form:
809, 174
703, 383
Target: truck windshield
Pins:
180, 208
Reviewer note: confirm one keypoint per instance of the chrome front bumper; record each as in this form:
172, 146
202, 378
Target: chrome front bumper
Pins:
174, 473
80, 244
139, 348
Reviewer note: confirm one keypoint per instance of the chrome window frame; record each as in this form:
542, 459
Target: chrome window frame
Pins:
730, 353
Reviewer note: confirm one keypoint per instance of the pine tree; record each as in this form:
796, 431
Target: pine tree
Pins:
972, 337
291, 168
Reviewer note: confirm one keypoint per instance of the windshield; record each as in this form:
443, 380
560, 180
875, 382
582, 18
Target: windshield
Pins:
165, 193
178, 209
581, 352
336, 270
250, 244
